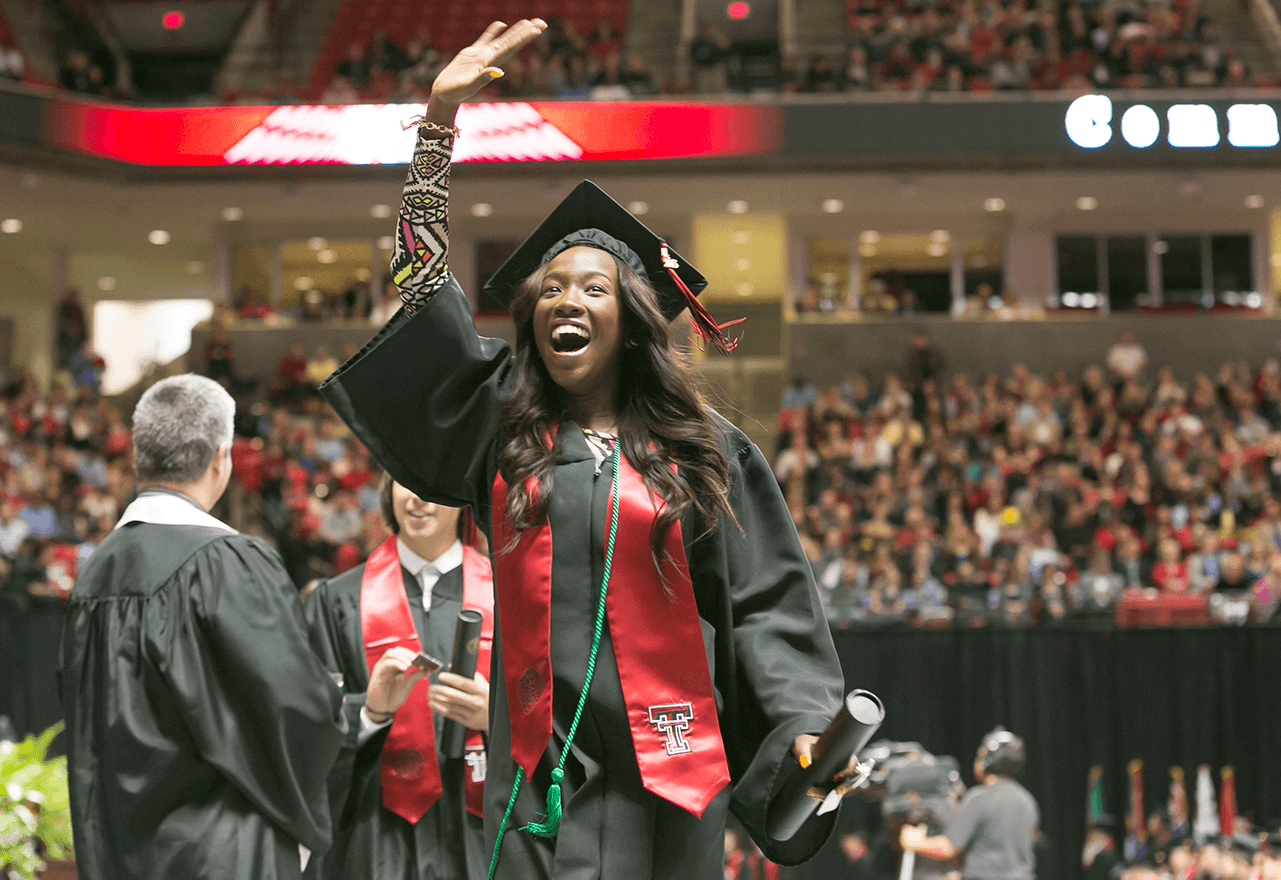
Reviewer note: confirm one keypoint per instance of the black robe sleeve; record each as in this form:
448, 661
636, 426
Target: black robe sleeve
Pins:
249, 700
776, 668
423, 395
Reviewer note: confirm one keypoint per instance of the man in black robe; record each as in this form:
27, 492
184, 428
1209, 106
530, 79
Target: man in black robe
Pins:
371, 841
201, 725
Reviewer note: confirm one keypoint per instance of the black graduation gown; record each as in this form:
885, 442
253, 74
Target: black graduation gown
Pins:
201, 724
424, 396
372, 843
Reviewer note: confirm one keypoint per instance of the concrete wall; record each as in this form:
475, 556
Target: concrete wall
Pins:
824, 352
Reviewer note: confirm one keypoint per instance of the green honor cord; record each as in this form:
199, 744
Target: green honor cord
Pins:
551, 822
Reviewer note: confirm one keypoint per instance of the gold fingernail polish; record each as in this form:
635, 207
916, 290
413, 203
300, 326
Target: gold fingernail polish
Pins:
805, 761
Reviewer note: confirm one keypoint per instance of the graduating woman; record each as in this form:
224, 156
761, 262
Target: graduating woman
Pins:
660, 654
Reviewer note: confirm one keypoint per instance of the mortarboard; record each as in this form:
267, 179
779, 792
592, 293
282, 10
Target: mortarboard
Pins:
588, 216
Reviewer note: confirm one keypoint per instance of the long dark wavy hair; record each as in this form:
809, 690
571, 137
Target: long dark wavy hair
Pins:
662, 418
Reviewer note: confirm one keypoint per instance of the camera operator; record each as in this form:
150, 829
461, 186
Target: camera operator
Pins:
993, 830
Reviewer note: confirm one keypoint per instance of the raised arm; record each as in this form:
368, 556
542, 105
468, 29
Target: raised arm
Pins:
419, 263
424, 394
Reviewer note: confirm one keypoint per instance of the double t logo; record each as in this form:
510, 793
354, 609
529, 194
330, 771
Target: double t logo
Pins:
672, 720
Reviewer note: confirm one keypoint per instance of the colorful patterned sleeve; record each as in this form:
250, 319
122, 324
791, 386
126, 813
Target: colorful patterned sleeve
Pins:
418, 261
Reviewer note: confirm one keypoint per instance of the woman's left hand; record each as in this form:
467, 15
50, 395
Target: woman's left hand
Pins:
465, 700
803, 751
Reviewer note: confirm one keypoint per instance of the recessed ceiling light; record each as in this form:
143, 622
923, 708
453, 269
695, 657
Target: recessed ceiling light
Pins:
326, 256
743, 265
744, 288
302, 282
317, 243
1071, 299
940, 236
1160, 247
638, 208
738, 206
867, 250
385, 243
195, 267
231, 215
742, 237
1254, 201
158, 236
936, 249
106, 282
362, 274
994, 204
482, 209
869, 236
1087, 203
380, 211
11, 225
833, 206
1089, 300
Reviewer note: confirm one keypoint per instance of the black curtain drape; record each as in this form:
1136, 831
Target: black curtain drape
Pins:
1169, 697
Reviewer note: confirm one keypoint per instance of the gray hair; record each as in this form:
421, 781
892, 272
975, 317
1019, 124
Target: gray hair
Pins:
178, 425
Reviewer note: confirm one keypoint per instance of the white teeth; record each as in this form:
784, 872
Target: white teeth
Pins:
568, 330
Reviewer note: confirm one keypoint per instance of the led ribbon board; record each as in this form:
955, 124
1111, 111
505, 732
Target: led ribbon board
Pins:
374, 134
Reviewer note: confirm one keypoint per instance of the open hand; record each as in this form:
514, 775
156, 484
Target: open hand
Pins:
465, 700
391, 681
478, 65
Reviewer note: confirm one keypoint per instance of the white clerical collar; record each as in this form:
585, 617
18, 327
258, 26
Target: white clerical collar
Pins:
167, 508
417, 566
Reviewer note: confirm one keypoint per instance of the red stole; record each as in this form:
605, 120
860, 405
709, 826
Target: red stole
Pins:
657, 640
410, 775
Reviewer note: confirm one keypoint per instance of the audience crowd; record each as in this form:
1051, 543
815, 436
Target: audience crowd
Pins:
892, 46
922, 498
1009, 500
980, 45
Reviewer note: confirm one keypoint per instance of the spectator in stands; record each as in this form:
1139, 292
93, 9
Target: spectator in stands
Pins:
13, 530
342, 523
636, 76
13, 66
219, 356
1130, 563
291, 373
76, 73
70, 328
384, 55
1126, 358
604, 41
709, 55
925, 363
355, 66
322, 363
1234, 577
820, 77
86, 368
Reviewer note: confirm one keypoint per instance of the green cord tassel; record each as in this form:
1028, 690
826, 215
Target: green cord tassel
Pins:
551, 821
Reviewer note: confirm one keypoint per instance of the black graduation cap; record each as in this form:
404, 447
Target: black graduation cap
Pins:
588, 216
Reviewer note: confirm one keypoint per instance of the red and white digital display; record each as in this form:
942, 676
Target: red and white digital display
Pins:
376, 134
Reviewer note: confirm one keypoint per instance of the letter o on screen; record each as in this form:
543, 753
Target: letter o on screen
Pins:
1087, 121
1140, 126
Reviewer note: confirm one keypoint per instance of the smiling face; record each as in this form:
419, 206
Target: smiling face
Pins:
428, 529
577, 324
